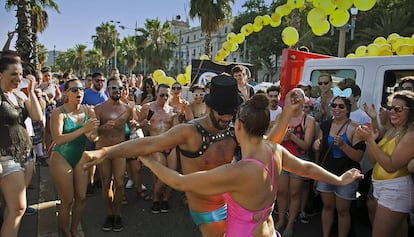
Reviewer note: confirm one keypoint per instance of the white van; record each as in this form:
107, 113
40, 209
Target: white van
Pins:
376, 76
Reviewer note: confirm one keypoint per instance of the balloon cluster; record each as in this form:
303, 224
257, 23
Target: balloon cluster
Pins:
323, 14
393, 44
161, 78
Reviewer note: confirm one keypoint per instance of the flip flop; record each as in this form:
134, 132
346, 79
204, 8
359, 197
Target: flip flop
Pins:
143, 195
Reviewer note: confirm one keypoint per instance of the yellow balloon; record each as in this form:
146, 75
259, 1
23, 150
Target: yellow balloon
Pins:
290, 36
385, 53
258, 20
158, 74
257, 28
322, 28
373, 50
181, 79
240, 38
295, 3
364, 5
248, 29
163, 80
315, 17
231, 36
392, 37
276, 20
234, 47
226, 46
339, 18
343, 4
380, 40
204, 57
327, 6
361, 51
405, 49
286, 10
266, 20
351, 55
188, 69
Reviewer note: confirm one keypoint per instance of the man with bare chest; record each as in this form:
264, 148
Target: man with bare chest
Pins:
203, 144
113, 116
159, 122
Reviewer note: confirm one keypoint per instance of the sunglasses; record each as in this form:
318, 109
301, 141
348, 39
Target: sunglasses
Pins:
341, 106
323, 83
76, 89
176, 87
98, 81
397, 108
164, 95
199, 94
114, 87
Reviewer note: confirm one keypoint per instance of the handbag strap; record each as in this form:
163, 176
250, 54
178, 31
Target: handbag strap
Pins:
331, 144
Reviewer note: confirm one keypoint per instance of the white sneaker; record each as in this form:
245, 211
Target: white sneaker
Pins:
129, 184
143, 188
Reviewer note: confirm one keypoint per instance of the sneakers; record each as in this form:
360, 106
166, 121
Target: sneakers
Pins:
30, 211
164, 206
155, 207
303, 217
129, 184
43, 161
109, 223
118, 226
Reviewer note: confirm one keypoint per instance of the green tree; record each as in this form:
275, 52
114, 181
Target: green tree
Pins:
212, 15
31, 19
159, 43
105, 39
94, 60
41, 55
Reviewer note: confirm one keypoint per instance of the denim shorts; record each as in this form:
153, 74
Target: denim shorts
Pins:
293, 175
9, 165
347, 192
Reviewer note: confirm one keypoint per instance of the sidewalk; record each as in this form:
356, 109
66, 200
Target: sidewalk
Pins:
42, 196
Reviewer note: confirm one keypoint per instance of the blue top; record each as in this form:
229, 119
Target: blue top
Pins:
92, 97
336, 151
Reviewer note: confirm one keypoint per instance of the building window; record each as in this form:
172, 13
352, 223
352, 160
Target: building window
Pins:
194, 37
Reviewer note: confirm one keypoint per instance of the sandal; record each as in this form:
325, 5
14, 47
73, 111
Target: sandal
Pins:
143, 195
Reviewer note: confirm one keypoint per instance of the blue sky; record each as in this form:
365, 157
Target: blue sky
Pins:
78, 18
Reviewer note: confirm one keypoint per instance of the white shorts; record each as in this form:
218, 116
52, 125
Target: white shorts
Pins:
395, 194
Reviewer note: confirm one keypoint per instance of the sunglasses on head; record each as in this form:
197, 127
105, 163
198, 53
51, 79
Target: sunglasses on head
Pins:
323, 83
199, 94
176, 87
115, 87
76, 89
341, 106
163, 95
397, 108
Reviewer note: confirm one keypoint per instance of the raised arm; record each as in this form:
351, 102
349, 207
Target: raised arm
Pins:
292, 101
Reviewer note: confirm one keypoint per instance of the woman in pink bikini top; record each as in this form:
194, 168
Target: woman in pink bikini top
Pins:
248, 186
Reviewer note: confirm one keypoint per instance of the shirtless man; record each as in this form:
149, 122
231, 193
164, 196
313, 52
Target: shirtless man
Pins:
204, 143
113, 115
161, 121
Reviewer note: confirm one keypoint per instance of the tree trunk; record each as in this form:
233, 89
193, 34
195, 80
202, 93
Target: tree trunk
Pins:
207, 45
24, 44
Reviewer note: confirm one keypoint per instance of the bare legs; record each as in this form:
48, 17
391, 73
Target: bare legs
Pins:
14, 192
71, 187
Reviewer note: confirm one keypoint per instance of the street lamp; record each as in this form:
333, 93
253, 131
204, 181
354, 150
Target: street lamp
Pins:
115, 37
344, 29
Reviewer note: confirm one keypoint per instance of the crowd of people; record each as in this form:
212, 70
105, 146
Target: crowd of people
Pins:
95, 130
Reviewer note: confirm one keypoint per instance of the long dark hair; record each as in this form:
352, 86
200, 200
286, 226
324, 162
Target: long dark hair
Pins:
147, 81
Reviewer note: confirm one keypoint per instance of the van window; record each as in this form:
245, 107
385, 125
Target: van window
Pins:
392, 80
338, 75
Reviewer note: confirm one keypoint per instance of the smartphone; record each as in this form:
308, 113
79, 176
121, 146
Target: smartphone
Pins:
24, 83
150, 114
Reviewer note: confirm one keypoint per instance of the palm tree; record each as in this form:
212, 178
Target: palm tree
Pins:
24, 44
129, 52
31, 19
41, 55
105, 40
39, 19
94, 60
159, 43
212, 15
